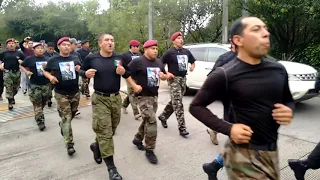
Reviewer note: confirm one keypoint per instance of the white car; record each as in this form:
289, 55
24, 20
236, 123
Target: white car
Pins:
302, 77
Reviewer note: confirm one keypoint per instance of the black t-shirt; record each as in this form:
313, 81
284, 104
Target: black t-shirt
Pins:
129, 56
36, 65
63, 69
252, 92
74, 53
224, 59
10, 59
146, 73
178, 61
106, 80
83, 53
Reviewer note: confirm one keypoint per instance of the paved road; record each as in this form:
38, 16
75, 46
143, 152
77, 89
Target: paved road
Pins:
28, 154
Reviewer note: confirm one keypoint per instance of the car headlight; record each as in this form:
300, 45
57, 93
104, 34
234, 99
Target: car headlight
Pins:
293, 78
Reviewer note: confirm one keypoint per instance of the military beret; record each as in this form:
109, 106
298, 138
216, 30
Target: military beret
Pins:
9, 40
175, 35
63, 39
134, 43
150, 43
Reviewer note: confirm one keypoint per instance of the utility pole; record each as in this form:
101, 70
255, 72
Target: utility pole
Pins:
225, 20
245, 13
150, 20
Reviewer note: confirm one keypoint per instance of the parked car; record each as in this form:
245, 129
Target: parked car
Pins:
302, 77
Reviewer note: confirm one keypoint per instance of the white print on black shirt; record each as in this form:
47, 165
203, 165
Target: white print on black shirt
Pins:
40, 67
182, 62
67, 70
134, 57
153, 75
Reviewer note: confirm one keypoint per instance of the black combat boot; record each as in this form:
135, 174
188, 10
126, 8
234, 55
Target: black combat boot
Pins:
41, 126
139, 145
13, 101
212, 169
96, 152
298, 167
163, 122
112, 170
183, 132
70, 149
151, 157
10, 106
49, 103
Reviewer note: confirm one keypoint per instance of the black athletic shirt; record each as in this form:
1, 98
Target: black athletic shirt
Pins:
106, 80
146, 73
36, 65
252, 91
10, 59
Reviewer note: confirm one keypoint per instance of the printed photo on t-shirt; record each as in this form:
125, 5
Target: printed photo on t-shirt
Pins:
182, 62
40, 67
134, 57
153, 75
67, 70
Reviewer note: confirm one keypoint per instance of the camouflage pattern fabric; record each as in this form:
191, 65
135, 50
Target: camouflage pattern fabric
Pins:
39, 95
148, 128
11, 82
177, 90
67, 107
106, 112
241, 163
131, 99
85, 86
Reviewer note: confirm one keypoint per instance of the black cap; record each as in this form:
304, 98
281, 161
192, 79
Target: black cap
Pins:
84, 41
50, 44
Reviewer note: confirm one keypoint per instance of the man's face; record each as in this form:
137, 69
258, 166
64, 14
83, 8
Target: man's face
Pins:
68, 68
255, 40
39, 50
135, 49
65, 47
50, 50
30, 44
74, 46
151, 52
85, 45
16, 43
178, 42
107, 43
11, 45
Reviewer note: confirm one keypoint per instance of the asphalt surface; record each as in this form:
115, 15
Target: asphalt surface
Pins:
28, 154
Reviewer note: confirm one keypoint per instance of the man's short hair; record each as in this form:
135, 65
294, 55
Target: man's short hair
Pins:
100, 37
237, 28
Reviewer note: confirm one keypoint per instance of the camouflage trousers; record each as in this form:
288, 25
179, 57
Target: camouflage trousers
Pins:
148, 128
38, 96
177, 90
67, 107
106, 112
11, 82
243, 164
131, 99
85, 86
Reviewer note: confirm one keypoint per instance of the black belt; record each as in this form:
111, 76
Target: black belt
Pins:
11, 70
106, 94
257, 147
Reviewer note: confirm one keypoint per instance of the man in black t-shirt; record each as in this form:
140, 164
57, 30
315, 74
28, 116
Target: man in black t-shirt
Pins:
106, 67
147, 72
177, 59
132, 54
11, 59
256, 94
40, 88
66, 88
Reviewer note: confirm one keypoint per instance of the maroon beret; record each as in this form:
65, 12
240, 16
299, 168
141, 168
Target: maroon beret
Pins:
37, 44
63, 39
175, 35
150, 43
9, 40
134, 43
